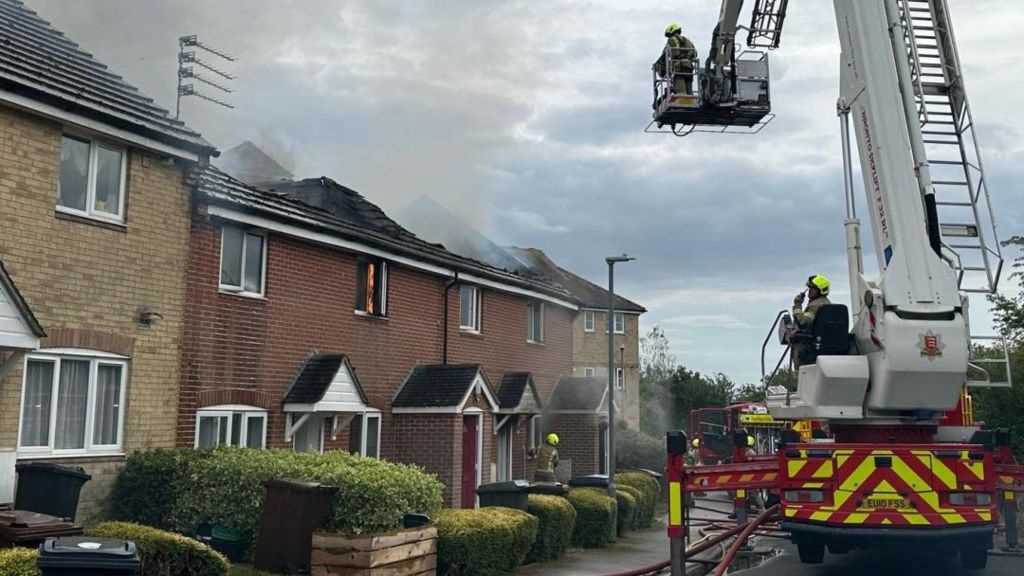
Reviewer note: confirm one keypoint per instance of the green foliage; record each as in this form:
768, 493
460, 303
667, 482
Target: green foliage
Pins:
750, 393
19, 562
635, 449
650, 495
146, 490
484, 542
554, 532
165, 553
595, 517
626, 515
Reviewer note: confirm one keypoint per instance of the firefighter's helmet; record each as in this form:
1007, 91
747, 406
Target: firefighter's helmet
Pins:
672, 30
750, 441
695, 443
552, 439
821, 283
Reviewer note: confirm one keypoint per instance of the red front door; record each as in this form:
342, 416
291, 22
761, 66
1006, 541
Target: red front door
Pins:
470, 426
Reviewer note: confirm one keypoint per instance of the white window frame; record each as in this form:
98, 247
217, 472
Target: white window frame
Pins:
620, 379
619, 328
477, 296
239, 290
95, 359
589, 371
533, 432
505, 441
364, 426
90, 184
535, 315
588, 321
229, 411
384, 273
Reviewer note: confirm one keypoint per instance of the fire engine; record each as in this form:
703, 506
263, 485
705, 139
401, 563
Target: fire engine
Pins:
903, 459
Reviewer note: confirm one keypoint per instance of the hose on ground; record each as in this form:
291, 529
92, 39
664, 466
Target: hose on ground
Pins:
748, 529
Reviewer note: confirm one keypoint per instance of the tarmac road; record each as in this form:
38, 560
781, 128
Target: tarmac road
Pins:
882, 562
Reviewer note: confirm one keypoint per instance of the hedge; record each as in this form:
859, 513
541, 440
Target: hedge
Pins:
19, 562
483, 542
627, 498
635, 449
650, 495
595, 517
556, 518
225, 487
165, 553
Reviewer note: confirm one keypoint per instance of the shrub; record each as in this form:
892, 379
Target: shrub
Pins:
627, 498
19, 562
165, 553
484, 542
650, 495
634, 449
595, 517
146, 490
556, 518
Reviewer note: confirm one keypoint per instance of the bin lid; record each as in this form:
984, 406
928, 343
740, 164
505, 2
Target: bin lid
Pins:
86, 552
299, 485
22, 525
51, 468
510, 486
600, 480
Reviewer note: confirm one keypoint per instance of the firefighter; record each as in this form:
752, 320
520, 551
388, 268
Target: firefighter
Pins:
682, 54
818, 288
547, 459
755, 502
693, 454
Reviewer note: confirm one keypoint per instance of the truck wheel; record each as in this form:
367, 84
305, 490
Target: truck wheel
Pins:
974, 557
811, 553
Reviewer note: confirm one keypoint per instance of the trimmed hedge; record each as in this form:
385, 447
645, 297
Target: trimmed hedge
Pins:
634, 449
650, 495
556, 518
19, 562
225, 487
627, 498
483, 542
165, 553
595, 517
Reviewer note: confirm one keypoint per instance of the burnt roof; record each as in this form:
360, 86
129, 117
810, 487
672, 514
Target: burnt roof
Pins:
323, 205
578, 393
589, 294
315, 377
38, 62
20, 304
437, 386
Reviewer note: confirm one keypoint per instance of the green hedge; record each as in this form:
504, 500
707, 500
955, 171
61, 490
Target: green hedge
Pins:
225, 487
19, 562
165, 553
627, 498
483, 542
595, 517
650, 495
556, 518
635, 449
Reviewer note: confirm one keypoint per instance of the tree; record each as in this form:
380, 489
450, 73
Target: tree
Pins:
656, 366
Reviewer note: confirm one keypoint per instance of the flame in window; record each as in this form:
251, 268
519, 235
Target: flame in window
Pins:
371, 278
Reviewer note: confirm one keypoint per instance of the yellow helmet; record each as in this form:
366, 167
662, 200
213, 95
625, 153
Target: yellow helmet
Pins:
821, 283
552, 439
750, 441
673, 29
695, 442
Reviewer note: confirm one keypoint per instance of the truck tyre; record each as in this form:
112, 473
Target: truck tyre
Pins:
811, 553
974, 557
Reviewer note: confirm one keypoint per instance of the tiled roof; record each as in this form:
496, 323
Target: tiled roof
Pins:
575, 393
20, 304
518, 394
436, 386
315, 378
347, 214
589, 294
39, 62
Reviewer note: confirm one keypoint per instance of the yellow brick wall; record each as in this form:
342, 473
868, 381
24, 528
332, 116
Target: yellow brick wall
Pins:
80, 276
591, 349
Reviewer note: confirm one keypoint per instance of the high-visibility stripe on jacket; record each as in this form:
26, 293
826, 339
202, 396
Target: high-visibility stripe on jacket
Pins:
806, 316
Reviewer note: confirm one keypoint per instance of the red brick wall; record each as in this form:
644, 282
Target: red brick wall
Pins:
578, 440
236, 347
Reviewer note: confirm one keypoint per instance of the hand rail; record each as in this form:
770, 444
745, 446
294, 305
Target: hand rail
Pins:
764, 346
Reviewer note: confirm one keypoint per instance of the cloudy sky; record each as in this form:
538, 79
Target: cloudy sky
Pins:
527, 118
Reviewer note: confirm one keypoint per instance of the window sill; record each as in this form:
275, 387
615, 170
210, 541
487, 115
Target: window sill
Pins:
534, 343
92, 221
95, 457
250, 295
470, 331
369, 316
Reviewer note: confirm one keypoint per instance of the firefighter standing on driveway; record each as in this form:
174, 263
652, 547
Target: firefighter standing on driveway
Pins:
818, 288
682, 53
547, 459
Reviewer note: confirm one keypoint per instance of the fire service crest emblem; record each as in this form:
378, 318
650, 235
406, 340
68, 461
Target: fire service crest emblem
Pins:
931, 345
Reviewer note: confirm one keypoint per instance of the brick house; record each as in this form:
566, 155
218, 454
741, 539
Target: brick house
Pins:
316, 322
578, 413
94, 230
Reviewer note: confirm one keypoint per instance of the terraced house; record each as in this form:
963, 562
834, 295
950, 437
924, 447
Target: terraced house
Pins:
93, 238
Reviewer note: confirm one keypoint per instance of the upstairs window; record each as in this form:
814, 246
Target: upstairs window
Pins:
92, 179
588, 320
620, 322
535, 322
231, 426
470, 298
242, 261
372, 286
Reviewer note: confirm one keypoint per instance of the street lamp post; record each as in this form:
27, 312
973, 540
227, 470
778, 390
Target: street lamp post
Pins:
612, 260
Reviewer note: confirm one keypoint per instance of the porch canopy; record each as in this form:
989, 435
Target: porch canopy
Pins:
444, 388
325, 385
580, 395
517, 399
19, 329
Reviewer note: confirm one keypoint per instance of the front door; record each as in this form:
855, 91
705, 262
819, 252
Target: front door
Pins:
470, 457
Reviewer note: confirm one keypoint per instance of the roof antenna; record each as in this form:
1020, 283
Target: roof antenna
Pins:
187, 61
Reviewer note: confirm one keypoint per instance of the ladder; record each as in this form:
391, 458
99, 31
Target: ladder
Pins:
766, 23
969, 240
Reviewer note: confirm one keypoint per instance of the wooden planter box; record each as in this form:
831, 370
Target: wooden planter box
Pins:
410, 552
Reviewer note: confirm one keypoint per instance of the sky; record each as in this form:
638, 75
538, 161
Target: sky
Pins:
527, 118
